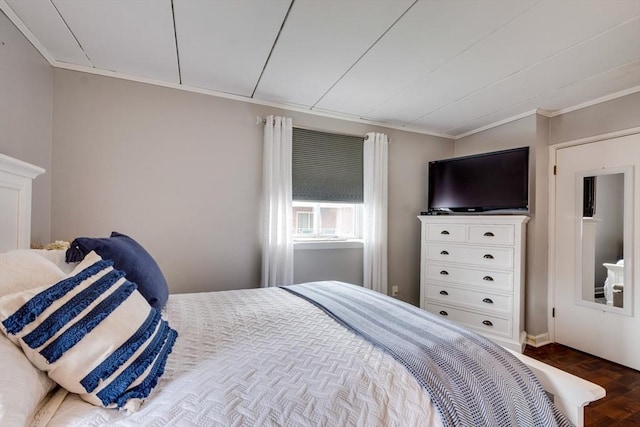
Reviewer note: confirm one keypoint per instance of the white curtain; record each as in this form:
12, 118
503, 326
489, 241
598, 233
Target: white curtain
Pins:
376, 171
277, 246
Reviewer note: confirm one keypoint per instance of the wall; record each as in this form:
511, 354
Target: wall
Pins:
538, 133
312, 264
25, 117
181, 172
617, 114
531, 131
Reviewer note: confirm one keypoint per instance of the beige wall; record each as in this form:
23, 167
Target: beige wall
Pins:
531, 131
25, 117
343, 264
181, 172
615, 115
538, 133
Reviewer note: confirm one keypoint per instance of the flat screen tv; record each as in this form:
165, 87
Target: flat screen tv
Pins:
496, 182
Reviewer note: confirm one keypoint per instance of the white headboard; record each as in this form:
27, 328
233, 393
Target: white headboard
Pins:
16, 177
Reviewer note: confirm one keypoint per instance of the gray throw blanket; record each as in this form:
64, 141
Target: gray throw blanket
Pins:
471, 380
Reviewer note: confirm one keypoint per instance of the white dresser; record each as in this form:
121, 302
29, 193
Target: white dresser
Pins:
472, 272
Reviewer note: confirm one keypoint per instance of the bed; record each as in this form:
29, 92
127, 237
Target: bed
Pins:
282, 357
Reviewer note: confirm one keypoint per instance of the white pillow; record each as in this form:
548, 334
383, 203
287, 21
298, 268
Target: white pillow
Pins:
93, 333
24, 269
22, 385
57, 256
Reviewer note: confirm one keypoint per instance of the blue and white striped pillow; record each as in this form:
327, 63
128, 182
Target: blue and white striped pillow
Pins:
93, 333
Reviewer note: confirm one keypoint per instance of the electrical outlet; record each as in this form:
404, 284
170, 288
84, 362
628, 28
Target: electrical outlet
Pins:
394, 291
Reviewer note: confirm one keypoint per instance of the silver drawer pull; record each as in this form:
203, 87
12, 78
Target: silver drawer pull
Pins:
487, 323
445, 232
488, 256
488, 234
488, 300
486, 278
443, 313
444, 253
444, 293
444, 272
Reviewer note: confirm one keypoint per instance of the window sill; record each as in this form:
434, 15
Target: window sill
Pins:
327, 244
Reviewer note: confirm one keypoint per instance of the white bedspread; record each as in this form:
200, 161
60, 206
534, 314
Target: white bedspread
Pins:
264, 357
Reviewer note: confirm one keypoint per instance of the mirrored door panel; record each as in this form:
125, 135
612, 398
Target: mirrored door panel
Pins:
602, 238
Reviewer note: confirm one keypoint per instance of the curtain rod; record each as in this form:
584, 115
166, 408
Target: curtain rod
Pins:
262, 121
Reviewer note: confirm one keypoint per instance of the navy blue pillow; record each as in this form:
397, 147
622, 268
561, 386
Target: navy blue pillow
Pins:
128, 256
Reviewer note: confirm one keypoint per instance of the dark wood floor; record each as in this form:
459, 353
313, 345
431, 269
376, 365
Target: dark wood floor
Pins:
621, 406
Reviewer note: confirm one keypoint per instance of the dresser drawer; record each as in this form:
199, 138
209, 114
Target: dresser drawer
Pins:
482, 278
486, 257
485, 323
492, 234
446, 232
473, 299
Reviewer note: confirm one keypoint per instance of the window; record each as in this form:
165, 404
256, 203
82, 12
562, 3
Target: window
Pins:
323, 220
304, 221
327, 185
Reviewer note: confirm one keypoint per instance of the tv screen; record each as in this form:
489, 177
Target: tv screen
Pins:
490, 182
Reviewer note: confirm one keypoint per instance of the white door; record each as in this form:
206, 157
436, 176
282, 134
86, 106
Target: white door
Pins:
597, 296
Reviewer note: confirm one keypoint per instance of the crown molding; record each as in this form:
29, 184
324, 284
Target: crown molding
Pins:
553, 113
26, 32
595, 101
290, 107
332, 115
545, 113
496, 124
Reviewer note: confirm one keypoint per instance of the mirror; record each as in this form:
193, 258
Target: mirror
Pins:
603, 204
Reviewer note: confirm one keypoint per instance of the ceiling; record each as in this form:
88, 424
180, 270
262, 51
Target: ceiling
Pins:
450, 67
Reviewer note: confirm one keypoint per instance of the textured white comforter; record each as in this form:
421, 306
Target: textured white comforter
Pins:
264, 357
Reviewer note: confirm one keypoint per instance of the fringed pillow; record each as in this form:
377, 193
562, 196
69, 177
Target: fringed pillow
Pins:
93, 333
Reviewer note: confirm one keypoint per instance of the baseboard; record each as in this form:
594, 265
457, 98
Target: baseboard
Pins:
538, 340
